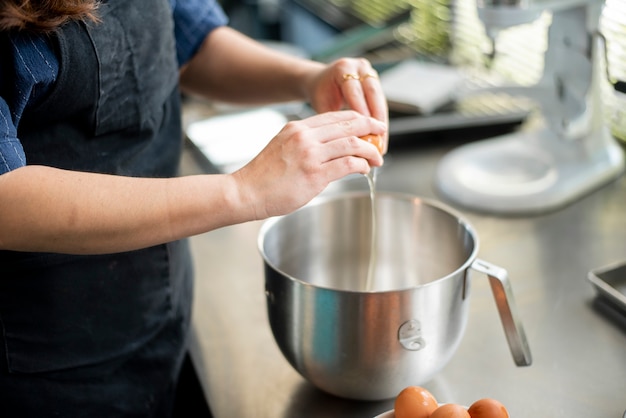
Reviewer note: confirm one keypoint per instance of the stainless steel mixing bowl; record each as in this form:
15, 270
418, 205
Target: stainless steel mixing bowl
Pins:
369, 343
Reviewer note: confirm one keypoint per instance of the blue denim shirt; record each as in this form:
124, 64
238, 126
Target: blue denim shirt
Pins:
32, 67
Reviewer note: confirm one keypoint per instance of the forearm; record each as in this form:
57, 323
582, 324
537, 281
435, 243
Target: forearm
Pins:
53, 210
234, 68
47, 209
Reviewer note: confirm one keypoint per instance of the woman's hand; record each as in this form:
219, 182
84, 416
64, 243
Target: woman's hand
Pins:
349, 83
304, 158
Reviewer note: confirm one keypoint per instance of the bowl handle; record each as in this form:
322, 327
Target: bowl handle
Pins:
503, 293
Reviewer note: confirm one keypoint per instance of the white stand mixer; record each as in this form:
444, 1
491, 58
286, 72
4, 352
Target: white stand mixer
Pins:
569, 152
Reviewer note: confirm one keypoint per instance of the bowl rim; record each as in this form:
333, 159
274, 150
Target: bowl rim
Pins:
269, 223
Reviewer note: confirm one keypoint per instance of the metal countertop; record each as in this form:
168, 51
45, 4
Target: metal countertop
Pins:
578, 346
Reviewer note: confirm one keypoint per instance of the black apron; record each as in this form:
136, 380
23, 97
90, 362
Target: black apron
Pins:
100, 336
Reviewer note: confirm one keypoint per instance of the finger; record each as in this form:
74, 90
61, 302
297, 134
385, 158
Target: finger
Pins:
349, 75
376, 101
352, 91
352, 147
373, 93
332, 125
327, 118
355, 125
368, 97
340, 167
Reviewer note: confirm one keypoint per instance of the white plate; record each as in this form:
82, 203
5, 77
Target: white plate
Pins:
231, 140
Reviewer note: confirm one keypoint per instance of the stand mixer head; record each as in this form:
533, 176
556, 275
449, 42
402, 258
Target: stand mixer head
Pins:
565, 152
500, 14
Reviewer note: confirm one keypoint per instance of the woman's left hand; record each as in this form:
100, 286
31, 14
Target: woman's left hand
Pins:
350, 83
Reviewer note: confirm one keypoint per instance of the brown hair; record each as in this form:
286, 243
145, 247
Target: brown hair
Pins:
44, 15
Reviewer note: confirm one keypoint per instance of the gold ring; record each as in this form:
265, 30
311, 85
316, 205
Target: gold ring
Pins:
349, 76
368, 75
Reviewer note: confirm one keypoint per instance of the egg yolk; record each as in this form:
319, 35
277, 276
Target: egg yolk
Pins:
414, 402
450, 410
487, 408
377, 140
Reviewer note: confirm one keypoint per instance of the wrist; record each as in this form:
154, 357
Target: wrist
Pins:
239, 198
307, 80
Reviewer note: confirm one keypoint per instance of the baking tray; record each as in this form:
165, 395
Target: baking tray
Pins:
610, 283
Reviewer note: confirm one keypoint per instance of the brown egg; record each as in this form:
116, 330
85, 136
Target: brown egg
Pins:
377, 140
414, 402
487, 408
450, 410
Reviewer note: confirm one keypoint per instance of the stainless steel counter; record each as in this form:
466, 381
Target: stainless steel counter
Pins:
579, 348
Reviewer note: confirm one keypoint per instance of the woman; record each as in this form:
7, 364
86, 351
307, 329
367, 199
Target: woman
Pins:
95, 287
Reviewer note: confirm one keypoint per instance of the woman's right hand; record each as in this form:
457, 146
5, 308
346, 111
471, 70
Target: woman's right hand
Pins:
304, 158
